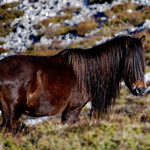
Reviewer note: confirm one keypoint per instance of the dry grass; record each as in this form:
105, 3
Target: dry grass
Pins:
7, 16
86, 26
40, 50
126, 127
2, 50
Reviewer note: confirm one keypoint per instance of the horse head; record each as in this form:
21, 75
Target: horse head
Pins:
134, 65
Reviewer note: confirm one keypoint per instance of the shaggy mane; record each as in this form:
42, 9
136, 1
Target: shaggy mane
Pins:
101, 68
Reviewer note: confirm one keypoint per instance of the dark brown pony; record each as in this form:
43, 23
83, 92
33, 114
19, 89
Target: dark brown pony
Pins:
64, 83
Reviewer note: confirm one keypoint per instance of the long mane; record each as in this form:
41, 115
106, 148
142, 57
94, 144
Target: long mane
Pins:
100, 69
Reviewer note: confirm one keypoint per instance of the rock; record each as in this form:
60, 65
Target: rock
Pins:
44, 40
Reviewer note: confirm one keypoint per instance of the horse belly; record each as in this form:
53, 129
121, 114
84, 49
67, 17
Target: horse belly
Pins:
43, 104
50, 93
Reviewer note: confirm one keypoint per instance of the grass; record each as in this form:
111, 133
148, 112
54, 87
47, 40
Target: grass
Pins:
2, 50
99, 1
119, 14
86, 26
2, 42
59, 19
40, 50
55, 31
126, 127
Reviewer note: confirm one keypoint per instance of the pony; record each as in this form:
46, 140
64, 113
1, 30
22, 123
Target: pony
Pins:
64, 83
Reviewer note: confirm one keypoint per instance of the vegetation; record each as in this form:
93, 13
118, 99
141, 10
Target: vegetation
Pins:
2, 42
99, 1
2, 50
126, 127
40, 50
7, 16
127, 13
86, 26
60, 19
120, 17
55, 31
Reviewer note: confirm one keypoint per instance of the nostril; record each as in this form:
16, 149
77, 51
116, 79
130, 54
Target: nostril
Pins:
138, 90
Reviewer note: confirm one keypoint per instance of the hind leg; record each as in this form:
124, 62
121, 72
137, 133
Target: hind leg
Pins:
77, 101
12, 108
70, 115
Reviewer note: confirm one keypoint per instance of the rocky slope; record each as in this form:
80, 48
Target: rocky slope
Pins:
25, 34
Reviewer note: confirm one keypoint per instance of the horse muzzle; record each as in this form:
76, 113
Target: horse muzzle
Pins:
139, 91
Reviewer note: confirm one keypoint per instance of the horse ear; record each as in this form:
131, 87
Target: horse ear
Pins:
142, 38
127, 42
